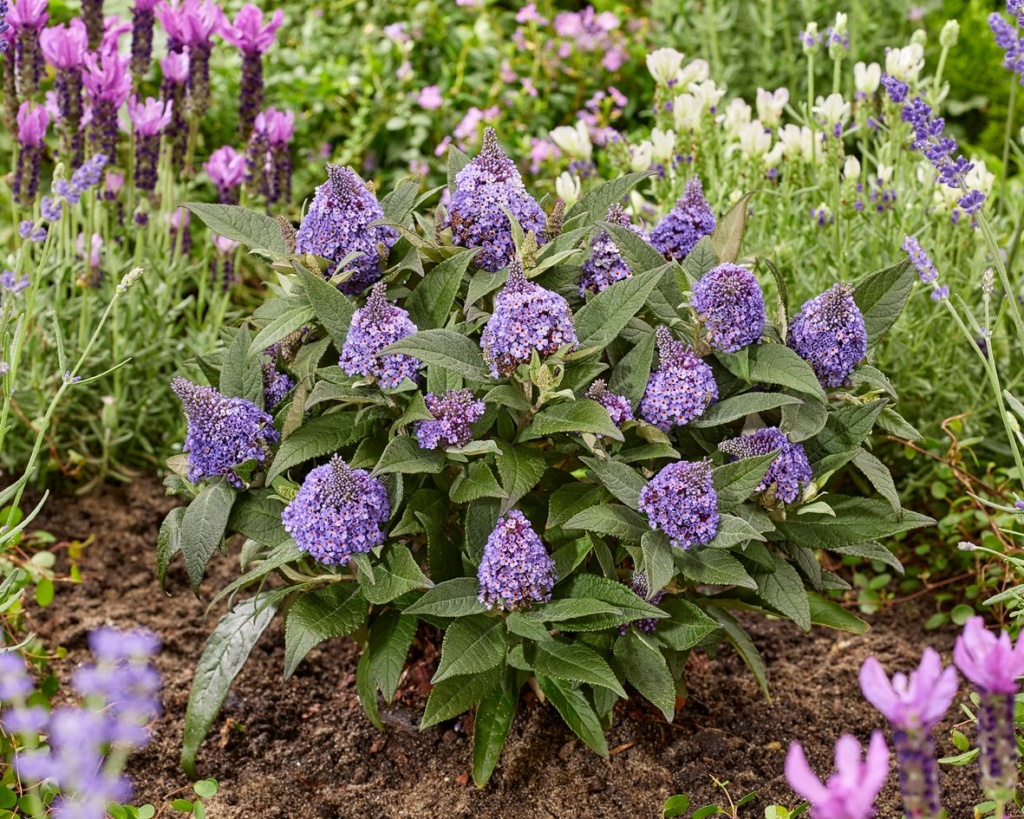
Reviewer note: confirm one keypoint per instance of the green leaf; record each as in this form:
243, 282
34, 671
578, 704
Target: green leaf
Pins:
432, 299
569, 500
687, 626
732, 531
203, 526
257, 515
581, 415
848, 426
241, 375
457, 160
743, 644
204, 788
713, 567
645, 668
740, 406
390, 637
895, 424
622, 481
701, 259
631, 374
168, 542
280, 328
728, 235
597, 200
452, 697
494, 717
825, 612
639, 254
403, 454
613, 520
332, 308
882, 296
332, 611
475, 482
444, 348
396, 573
505, 395
399, 203
366, 690
803, 421
458, 597
878, 474
281, 555
604, 316
736, 481
521, 469
675, 806
659, 565
777, 364
570, 608
255, 230
318, 437
632, 606
471, 645
571, 555
576, 662
783, 590
226, 651
577, 712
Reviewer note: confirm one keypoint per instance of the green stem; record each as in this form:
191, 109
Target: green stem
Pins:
1007, 138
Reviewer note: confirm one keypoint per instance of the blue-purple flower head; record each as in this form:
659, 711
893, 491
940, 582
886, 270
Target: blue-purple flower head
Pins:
914, 703
681, 389
788, 474
618, 406
526, 319
686, 224
485, 189
15, 681
851, 791
223, 433
337, 225
605, 264
829, 334
373, 328
729, 302
338, 512
681, 501
276, 384
516, 569
993, 663
454, 413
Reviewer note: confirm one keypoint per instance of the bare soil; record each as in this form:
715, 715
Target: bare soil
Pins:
302, 749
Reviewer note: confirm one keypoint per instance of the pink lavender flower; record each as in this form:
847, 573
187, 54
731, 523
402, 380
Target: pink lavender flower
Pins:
26, 18
681, 389
618, 406
337, 226
686, 224
192, 24
373, 328
143, 19
788, 474
108, 83
516, 569
338, 512
64, 47
605, 264
851, 791
226, 169
172, 91
430, 98
223, 433
526, 319
729, 302
32, 122
222, 271
486, 188
275, 130
829, 334
681, 501
149, 119
454, 411
252, 37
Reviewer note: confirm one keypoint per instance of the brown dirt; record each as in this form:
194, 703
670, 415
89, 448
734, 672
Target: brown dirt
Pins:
302, 749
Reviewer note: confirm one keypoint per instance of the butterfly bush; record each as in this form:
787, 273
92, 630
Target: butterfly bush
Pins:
524, 439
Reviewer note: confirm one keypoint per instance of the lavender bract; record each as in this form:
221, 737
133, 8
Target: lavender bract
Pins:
64, 48
681, 389
686, 224
338, 512
223, 433
454, 412
526, 319
373, 328
829, 334
681, 501
226, 169
26, 18
488, 186
851, 791
337, 225
789, 473
108, 83
728, 300
516, 569
605, 264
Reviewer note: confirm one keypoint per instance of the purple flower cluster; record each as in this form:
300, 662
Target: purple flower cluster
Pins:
223, 433
253, 38
64, 47
829, 334
143, 21
276, 384
605, 265
27, 18
485, 189
149, 119
851, 791
788, 474
108, 84
681, 389
729, 302
526, 319
686, 224
618, 406
373, 328
516, 569
337, 227
4, 27
84, 177
925, 267
338, 512
226, 169
682, 502
454, 412
268, 164
1008, 38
